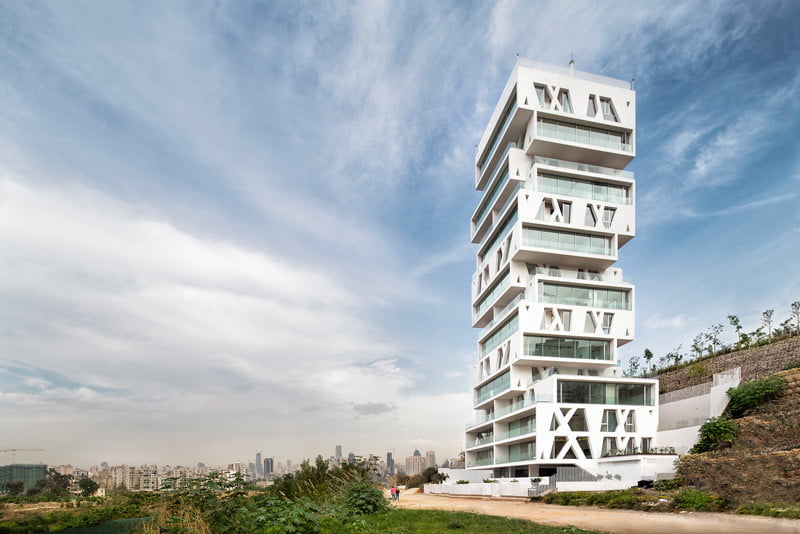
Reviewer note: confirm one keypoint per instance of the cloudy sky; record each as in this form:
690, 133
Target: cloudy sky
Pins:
231, 226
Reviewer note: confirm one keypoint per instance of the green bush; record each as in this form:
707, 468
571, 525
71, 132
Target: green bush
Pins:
462, 481
362, 497
752, 394
792, 365
692, 499
667, 485
714, 432
786, 511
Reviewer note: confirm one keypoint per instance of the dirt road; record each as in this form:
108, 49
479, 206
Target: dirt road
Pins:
617, 521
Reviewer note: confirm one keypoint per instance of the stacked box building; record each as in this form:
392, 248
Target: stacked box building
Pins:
552, 305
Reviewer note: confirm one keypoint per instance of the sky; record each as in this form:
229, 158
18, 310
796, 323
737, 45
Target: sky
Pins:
238, 226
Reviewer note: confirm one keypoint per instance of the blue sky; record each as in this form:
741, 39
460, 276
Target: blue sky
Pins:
237, 226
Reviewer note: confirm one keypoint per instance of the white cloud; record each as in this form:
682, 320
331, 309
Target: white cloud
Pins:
675, 321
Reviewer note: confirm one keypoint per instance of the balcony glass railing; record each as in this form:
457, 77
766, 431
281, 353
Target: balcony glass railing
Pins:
519, 457
499, 135
576, 133
526, 429
567, 241
480, 461
499, 315
488, 299
583, 167
486, 203
495, 387
482, 441
509, 409
613, 299
564, 347
571, 187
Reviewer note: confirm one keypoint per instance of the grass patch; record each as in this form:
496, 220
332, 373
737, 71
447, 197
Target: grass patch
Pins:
436, 522
699, 501
786, 511
631, 499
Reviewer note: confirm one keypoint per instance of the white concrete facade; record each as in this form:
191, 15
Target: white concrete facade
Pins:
553, 308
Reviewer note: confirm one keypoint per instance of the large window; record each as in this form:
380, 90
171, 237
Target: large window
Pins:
569, 241
565, 347
496, 386
614, 299
578, 133
505, 330
605, 393
602, 192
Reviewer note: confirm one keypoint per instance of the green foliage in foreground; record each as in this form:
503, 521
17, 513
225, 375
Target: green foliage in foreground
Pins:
752, 394
787, 511
633, 499
60, 520
715, 432
692, 499
399, 521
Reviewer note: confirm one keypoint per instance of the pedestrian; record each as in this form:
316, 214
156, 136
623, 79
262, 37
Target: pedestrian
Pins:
397, 494
393, 491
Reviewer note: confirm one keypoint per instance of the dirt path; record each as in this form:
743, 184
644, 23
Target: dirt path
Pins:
616, 521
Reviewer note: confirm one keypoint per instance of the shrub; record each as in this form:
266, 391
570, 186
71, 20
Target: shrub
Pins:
667, 485
692, 499
792, 365
462, 482
770, 510
697, 371
754, 393
362, 497
714, 432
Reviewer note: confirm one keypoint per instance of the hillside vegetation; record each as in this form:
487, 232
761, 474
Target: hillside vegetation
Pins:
761, 463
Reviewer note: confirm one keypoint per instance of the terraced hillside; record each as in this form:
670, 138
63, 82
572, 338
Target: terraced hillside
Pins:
763, 462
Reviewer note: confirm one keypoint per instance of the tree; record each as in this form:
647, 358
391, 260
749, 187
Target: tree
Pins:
88, 486
737, 325
767, 316
648, 358
713, 336
54, 484
796, 314
633, 366
15, 488
697, 344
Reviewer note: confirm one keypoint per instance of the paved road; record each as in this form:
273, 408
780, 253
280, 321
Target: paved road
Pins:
616, 521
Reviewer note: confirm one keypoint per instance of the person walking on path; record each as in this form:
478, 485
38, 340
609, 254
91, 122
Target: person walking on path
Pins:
397, 494
393, 492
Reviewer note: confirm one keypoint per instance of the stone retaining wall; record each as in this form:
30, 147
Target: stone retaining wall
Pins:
755, 363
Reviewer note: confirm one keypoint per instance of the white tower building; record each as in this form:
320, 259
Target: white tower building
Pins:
557, 205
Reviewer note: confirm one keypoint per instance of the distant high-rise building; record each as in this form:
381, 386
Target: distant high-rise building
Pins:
259, 465
351, 458
200, 465
390, 463
416, 452
415, 464
430, 459
29, 474
269, 466
338, 452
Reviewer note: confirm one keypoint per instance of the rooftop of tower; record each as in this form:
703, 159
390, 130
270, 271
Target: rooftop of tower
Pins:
588, 76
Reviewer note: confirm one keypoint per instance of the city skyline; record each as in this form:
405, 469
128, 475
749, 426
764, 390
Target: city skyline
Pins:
209, 212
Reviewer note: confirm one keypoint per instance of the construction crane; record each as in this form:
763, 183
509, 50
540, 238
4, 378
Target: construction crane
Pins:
14, 452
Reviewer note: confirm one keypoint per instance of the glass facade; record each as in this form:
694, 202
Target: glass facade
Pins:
605, 393
497, 288
496, 386
491, 196
498, 134
566, 347
599, 191
569, 241
578, 133
508, 327
614, 299
499, 236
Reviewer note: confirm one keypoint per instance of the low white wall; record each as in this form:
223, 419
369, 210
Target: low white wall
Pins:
475, 476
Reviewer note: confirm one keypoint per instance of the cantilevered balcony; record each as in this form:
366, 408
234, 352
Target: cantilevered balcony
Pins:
579, 142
